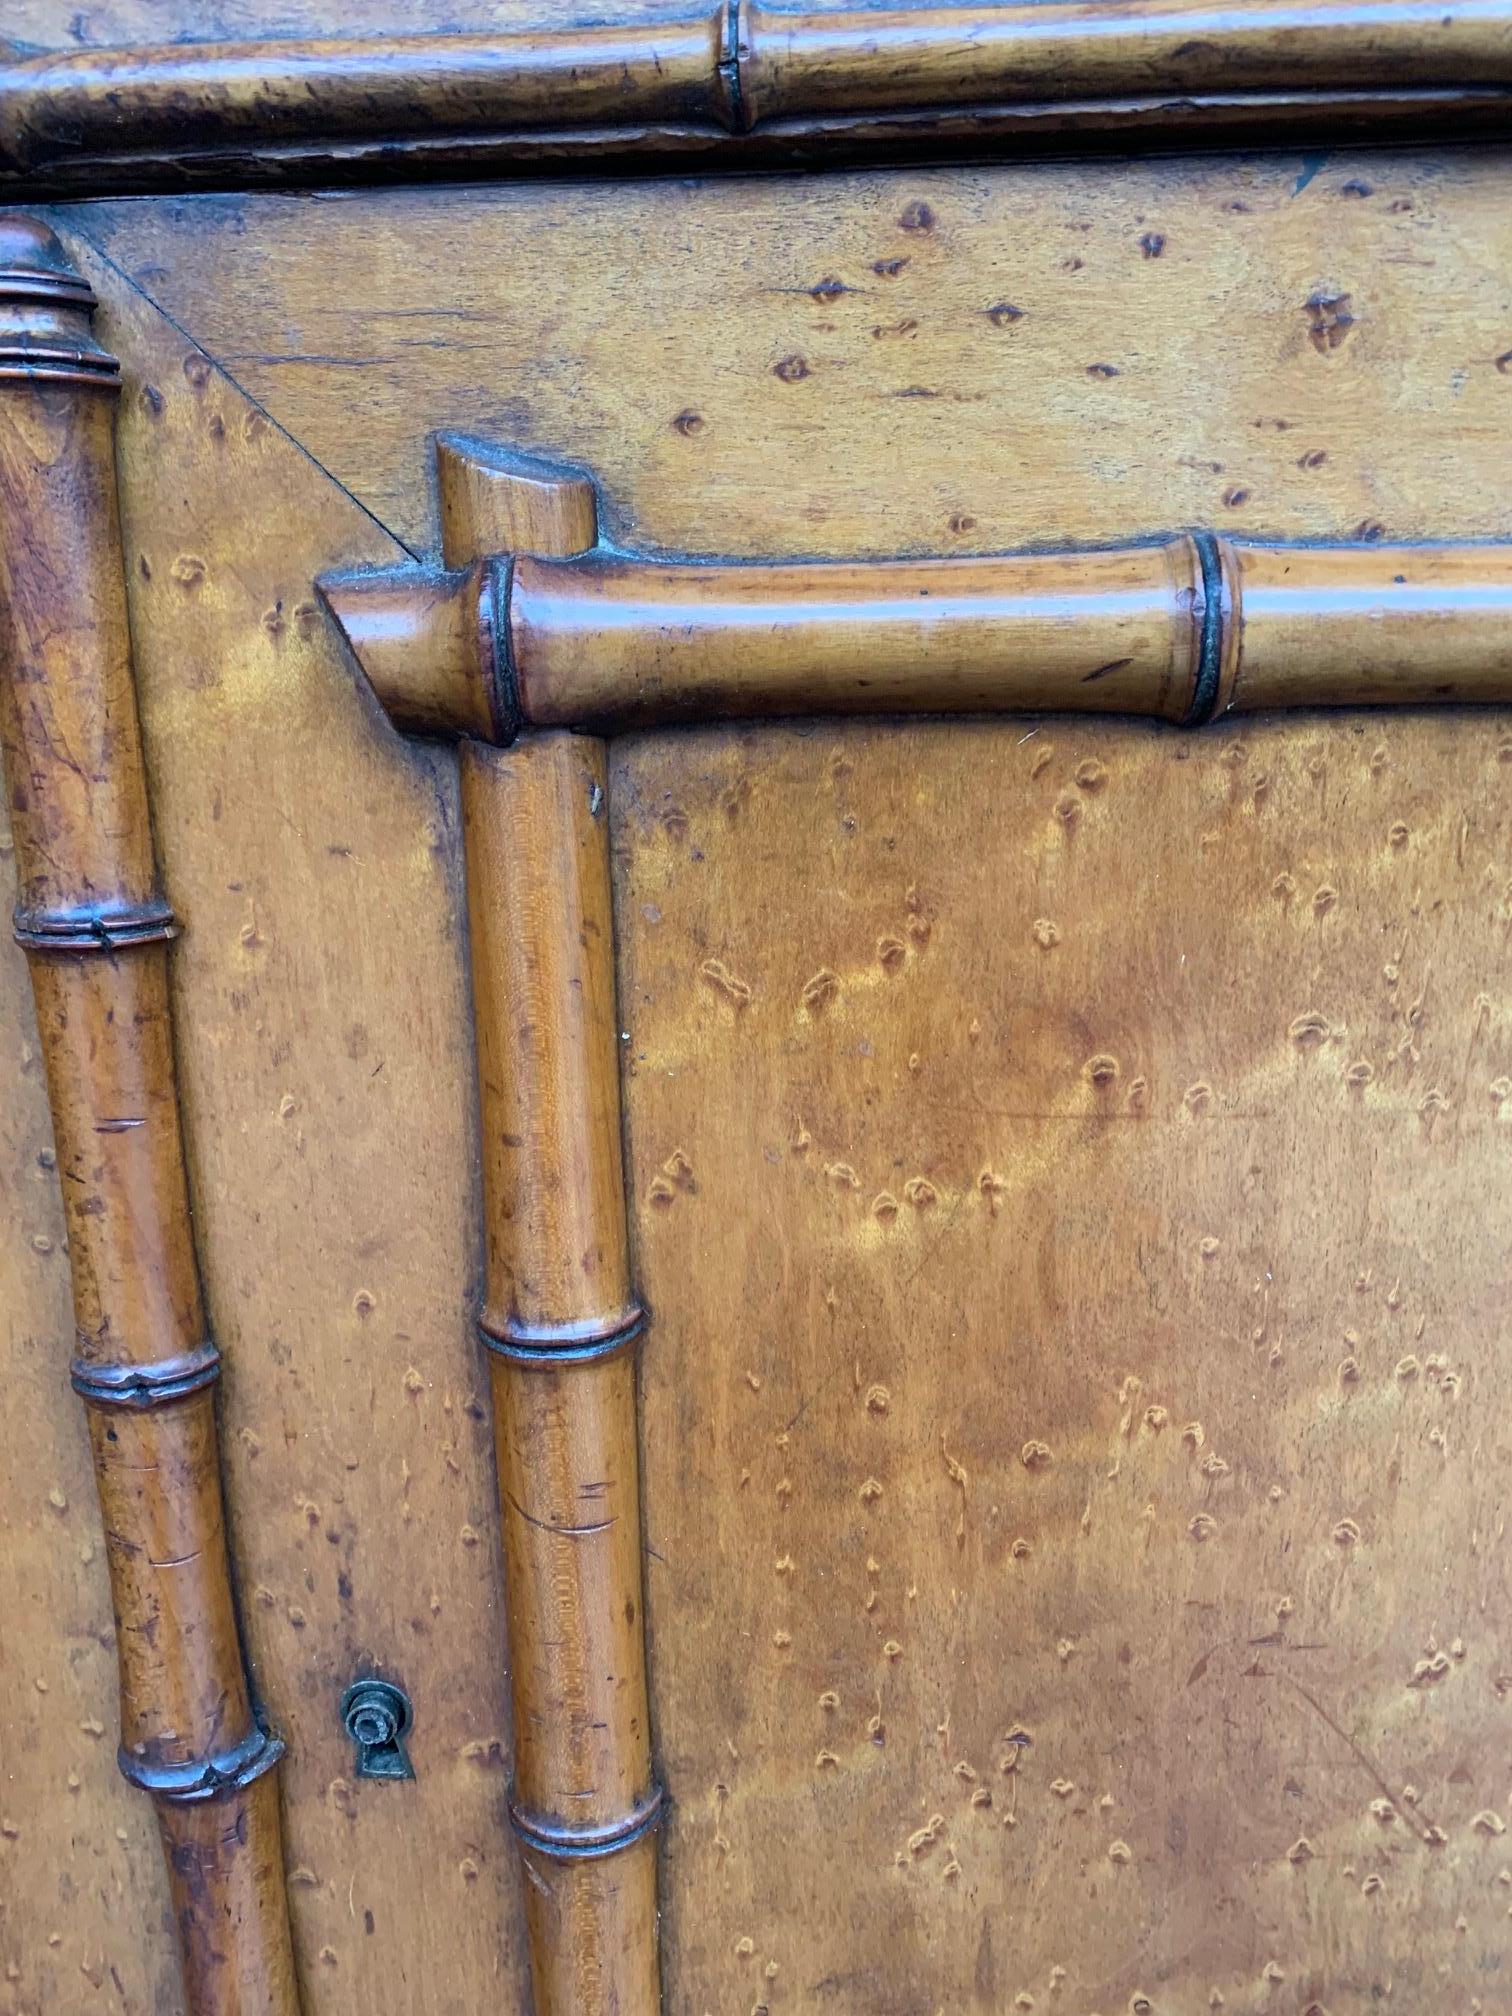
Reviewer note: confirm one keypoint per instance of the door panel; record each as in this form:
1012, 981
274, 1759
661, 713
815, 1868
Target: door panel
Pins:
1071, 1471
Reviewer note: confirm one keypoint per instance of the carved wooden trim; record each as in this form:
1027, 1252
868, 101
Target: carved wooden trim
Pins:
1186, 629
739, 81
559, 1315
96, 929
521, 648
533, 644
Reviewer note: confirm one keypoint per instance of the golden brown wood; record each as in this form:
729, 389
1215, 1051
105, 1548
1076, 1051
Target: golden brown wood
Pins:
83, 1888
926, 362
316, 857
1071, 1194
95, 925
511, 502
594, 1929
277, 91
1372, 625
538, 882
1182, 630
1091, 893
560, 1317
620, 642
731, 80
925, 55
569, 1481
425, 642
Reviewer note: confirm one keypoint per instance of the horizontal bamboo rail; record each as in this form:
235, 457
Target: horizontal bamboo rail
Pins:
559, 1315
1049, 49
1186, 630
96, 929
737, 75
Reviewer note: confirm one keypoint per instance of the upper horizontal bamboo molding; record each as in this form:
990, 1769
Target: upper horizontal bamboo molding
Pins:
740, 78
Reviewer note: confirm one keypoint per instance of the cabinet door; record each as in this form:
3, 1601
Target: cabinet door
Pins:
843, 1047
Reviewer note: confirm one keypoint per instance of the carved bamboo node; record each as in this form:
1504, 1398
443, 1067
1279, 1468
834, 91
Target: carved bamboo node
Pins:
579, 1844
552, 1344
228, 1770
45, 306
559, 1313
138, 1386
1215, 614
114, 930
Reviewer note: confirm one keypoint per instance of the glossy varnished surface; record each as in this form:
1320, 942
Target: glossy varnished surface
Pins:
557, 1263
610, 640
1372, 627
96, 928
558, 1311
82, 1885
934, 55
1184, 629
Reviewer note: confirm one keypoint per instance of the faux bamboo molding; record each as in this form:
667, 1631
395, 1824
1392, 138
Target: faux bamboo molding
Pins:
559, 1315
739, 78
1187, 630
517, 647
1058, 49
96, 928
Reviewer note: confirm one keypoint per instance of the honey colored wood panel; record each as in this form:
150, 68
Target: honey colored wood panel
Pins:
1069, 1174
1056, 910
945, 361
84, 1913
319, 998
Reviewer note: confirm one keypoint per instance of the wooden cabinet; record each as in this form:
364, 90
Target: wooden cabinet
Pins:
760, 771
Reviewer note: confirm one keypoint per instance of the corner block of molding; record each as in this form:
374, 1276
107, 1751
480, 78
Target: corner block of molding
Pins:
493, 500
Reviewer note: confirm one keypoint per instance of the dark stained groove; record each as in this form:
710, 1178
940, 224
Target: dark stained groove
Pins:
573, 1844
1210, 649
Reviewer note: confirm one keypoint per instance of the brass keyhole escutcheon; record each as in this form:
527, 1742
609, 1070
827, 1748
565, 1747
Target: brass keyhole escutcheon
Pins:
378, 1716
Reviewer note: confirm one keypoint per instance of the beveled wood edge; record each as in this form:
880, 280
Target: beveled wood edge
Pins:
1091, 129
733, 86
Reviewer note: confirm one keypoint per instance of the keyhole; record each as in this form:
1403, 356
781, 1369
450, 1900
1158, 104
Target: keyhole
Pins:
378, 1716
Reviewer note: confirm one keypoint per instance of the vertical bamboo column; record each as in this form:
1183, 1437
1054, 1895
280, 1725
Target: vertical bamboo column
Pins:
560, 1315
96, 929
